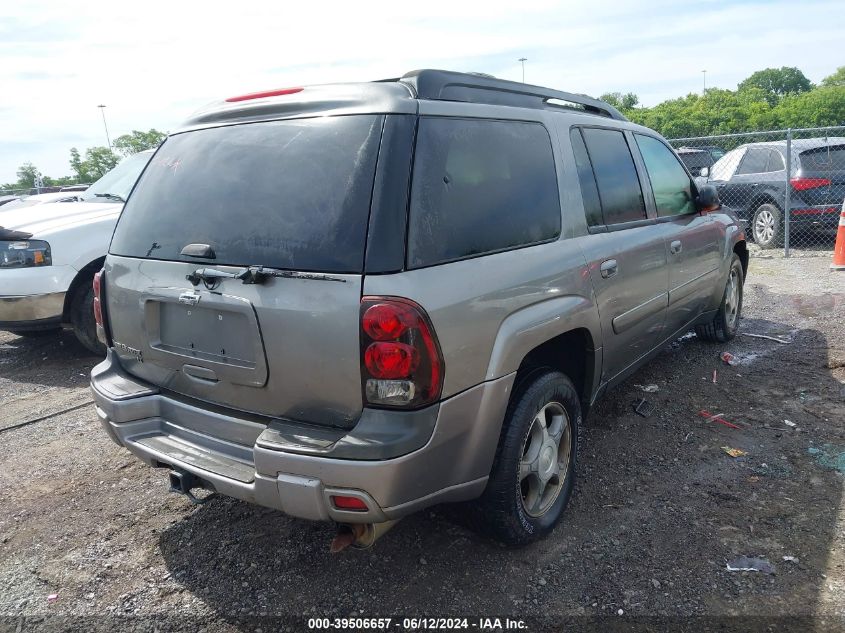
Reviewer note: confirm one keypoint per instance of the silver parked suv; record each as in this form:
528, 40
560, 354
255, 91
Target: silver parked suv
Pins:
351, 302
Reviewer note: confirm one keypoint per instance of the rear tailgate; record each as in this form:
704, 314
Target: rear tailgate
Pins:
286, 348
826, 167
292, 196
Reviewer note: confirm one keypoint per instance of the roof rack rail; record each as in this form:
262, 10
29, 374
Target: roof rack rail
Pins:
444, 85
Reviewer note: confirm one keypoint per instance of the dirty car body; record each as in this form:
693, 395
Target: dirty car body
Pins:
334, 322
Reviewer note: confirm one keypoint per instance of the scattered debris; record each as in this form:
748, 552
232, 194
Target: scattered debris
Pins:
791, 559
714, 376
745, 563
648, 388
728, 359
829, 456
790, 424
734, 452
776, 470
643, 408
717, 418
52, 597
767, 337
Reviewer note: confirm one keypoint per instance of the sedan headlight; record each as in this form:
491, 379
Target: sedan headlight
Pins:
24, 253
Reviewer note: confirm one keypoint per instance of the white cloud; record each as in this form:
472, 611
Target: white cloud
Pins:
154, 62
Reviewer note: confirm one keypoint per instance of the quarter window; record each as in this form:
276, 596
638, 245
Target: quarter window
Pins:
669, 181
615, 174
478, 187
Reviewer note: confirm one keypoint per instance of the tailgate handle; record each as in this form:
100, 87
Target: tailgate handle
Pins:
199, 373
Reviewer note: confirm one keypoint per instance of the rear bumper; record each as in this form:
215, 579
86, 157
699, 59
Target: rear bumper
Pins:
442, 453
821, 215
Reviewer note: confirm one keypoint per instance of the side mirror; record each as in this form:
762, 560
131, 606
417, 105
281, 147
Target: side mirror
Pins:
708, 199
704, 172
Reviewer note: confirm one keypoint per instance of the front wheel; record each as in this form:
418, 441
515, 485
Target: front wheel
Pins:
766, 226
724, 325
533, 473
82, 319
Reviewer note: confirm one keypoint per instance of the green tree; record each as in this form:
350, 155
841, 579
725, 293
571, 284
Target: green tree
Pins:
777, 83
621, 101
836, 79
138, 141
26, 175
98, 160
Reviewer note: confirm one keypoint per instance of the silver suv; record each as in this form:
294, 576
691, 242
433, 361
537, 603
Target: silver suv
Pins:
351, 302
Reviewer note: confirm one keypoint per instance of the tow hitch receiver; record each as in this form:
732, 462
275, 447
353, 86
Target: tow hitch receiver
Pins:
184, 482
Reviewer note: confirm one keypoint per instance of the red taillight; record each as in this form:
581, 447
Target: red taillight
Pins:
391, 360
98, 306
802, 184
266, 93
401, 364
99, 319
349, 503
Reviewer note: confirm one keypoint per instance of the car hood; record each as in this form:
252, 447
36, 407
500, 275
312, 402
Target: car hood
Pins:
48, 217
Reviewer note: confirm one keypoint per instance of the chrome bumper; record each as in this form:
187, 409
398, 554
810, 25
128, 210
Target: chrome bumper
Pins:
22, 310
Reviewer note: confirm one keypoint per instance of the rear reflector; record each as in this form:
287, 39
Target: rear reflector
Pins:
802, 184
816, 211
266, 93
349, 503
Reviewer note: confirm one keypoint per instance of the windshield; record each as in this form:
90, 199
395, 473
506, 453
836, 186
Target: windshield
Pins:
118, 182
289, 194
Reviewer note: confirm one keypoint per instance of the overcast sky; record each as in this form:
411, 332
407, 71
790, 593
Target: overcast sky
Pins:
153, 62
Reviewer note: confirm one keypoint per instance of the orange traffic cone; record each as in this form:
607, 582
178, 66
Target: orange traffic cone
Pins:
839, 249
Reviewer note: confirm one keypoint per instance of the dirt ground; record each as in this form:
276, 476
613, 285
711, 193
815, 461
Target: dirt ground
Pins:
659, 511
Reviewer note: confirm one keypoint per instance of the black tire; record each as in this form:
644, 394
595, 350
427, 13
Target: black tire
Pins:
82, 319
767, 226
500, 512
724, 325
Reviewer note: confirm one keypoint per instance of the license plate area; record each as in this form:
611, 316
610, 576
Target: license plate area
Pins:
219, 332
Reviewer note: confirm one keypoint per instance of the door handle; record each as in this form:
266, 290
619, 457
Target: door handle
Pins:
676, 247
609, 268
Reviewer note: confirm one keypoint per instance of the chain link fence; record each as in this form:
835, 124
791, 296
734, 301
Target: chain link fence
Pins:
760, 175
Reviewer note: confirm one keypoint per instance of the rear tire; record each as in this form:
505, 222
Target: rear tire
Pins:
767, 227
533, 473
82, 319
724, 325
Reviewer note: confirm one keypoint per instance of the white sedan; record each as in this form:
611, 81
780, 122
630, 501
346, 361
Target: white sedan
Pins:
49, 253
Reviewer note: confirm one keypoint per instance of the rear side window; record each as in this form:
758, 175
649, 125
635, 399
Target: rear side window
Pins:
775, 161
670, 183
284, 194
589, 190
478, 187
754, 161
616, 176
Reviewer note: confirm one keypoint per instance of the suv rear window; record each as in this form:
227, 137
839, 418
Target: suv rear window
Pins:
479, 187
289, 194
824, 158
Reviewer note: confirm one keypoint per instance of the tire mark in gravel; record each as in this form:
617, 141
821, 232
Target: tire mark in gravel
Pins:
46, 416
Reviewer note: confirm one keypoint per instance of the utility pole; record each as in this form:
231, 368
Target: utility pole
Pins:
103, 112
522, 61
704, 83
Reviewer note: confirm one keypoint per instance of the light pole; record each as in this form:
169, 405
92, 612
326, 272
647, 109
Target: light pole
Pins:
103, 112
522, 61
704, 83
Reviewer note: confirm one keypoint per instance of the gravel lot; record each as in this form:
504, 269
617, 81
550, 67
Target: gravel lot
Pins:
659, 510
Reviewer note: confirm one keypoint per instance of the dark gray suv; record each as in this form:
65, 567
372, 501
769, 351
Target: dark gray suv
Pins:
351, 302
